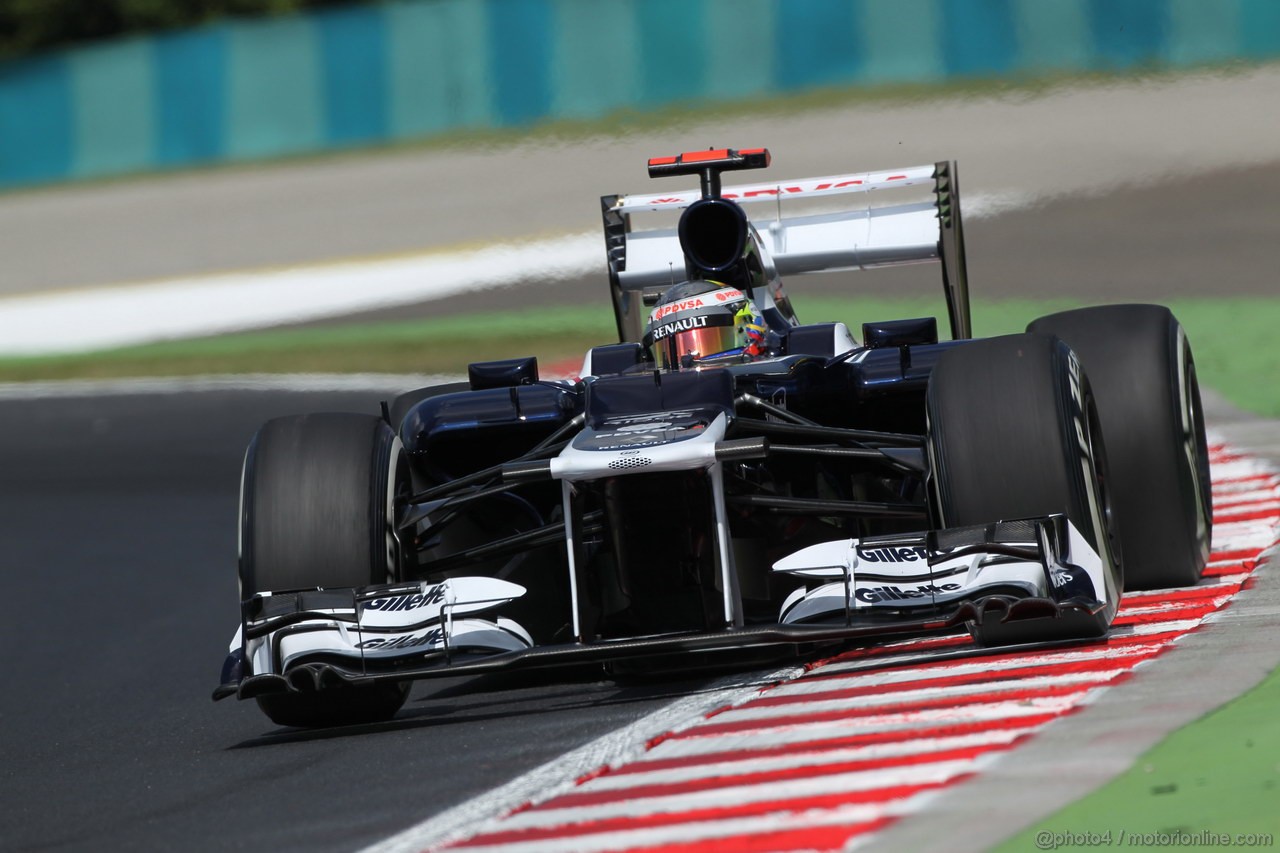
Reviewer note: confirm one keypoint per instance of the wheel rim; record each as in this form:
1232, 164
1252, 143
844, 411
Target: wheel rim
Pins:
399, 488
1098, 451
1197, 454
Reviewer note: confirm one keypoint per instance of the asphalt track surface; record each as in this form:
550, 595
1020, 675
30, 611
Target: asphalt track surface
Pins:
118, 522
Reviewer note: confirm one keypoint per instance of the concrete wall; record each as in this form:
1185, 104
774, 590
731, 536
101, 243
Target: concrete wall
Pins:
369, 74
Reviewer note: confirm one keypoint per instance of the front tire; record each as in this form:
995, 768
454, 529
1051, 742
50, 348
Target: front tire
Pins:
1140, 363
317, 503
1013, 433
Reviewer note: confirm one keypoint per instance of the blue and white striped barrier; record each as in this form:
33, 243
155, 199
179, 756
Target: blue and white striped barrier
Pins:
242, 90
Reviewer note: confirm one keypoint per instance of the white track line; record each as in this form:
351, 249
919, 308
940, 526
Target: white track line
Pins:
837, 674
87, 320
805, 686
562, 773
1237, 468
317, 383
959, 693
739, 795
726, 745
904, 721
802, 758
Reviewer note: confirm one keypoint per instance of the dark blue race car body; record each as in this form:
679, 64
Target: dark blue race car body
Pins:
816, 493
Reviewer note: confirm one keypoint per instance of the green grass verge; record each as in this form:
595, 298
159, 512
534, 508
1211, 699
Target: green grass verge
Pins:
445, 345
1218, 775
1233, 340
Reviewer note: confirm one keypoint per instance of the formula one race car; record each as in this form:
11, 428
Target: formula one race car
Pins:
725, 478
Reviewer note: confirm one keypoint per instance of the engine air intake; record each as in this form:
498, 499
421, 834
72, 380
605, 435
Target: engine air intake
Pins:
713, 234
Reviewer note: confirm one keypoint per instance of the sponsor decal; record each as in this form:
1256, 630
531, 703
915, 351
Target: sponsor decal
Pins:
673, 307
879, 594
731, 294
433, 595
813, 188
631, 432
435, 635
684, 325
647, 418
799, 188
893, 555
1071, 581
644, 427
621, 442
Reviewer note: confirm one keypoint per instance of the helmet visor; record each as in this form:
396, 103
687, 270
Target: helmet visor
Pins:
671, 351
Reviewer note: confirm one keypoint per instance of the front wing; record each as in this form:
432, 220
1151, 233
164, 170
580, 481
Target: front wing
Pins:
1038, 577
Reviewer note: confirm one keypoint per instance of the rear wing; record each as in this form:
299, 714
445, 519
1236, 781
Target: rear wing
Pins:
853, 236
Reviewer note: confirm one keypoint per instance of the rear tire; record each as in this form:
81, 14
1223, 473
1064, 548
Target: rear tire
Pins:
1144, 378
1006, 418
317, 502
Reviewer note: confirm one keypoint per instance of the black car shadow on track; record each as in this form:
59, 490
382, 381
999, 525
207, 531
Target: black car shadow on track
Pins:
535, 692
513, 696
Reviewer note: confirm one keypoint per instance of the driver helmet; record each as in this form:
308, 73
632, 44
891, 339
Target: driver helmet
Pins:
696, 321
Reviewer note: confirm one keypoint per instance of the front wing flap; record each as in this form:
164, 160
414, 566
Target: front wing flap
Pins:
1024, 562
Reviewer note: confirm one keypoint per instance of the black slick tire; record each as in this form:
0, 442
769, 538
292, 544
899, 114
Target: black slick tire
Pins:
317, 494
1013, 433
1144, 378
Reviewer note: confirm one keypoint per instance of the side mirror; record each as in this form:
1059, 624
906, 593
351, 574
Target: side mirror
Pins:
507, 373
